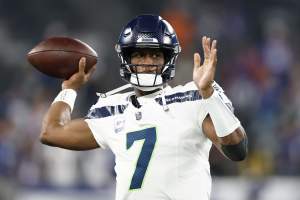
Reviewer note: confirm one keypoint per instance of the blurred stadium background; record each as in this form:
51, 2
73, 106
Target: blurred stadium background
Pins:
258, 66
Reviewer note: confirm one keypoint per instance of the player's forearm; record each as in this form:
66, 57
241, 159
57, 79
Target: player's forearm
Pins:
235, 145
57, 116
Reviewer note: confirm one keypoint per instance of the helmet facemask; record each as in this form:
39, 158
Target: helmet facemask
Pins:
147, 81
148, 32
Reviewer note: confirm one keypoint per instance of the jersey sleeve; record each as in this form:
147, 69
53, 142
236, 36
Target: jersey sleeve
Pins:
98, 129
101, 118
202, 113
97, 132
223, 96
99, 121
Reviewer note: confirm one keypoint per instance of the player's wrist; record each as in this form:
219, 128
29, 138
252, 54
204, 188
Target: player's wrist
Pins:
69, 88
207, 92
67, 96
66, 86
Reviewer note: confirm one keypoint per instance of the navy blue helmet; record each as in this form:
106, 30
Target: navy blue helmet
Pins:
148, 31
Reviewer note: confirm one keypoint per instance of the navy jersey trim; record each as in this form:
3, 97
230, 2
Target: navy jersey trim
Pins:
192, 95
105, 111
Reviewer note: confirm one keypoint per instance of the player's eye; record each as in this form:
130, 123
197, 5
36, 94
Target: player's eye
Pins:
136, 55
157, 55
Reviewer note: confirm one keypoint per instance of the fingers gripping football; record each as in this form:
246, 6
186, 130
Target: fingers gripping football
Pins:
80, 78
203, 75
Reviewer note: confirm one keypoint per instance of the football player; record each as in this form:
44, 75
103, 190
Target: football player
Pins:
161, 136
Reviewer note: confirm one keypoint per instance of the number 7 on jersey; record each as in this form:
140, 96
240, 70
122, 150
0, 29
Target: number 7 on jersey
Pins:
149, 137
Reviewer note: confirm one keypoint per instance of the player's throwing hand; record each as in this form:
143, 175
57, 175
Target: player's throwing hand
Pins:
80, 78
204, 74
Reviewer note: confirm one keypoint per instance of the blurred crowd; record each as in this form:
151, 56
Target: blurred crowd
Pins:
258, 67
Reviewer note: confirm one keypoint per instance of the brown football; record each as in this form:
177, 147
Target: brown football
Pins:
59, 56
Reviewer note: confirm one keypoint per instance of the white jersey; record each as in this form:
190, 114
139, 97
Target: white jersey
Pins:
160, 155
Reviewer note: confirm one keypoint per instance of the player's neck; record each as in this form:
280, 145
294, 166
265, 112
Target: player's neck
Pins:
140, 93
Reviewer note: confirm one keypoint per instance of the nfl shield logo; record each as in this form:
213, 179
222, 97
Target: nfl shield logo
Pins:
138, 115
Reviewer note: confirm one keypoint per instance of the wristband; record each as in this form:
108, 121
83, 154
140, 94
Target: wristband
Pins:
68, 96
222, 117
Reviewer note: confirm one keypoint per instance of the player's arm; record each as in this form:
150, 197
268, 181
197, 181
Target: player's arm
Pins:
221, 126
58, 129
233, 146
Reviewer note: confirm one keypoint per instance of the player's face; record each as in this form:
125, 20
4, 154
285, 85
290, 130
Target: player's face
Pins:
147, 57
